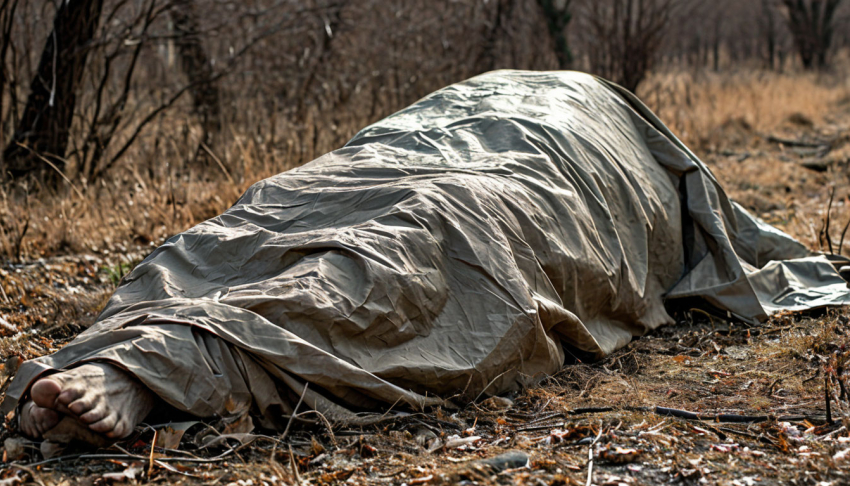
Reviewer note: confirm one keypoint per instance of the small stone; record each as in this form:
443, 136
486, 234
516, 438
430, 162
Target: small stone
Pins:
424, 436
15, 448
739, 353
497, 403
508, 460
51, 449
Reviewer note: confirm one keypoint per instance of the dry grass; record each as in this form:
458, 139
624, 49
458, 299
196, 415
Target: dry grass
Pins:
705, 109
136, 207
165, 190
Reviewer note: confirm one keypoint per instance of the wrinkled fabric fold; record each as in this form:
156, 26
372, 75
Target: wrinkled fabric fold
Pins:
448, 251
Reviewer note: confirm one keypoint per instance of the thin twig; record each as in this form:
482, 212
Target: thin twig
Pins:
581, 411
218, 161
830, 434
72, 457
535, 428
590, 457
488, 385
759, 438
826, 220
546, 417
153, 448
80, 456
325, 421
843, 233
723, 417
294, 411
53, 166
389, 409
217, 458
827, 398
294, 466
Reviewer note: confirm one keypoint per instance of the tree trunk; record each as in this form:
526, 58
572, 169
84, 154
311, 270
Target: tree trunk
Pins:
7, 19
48, 114
716, 45
198, 68
489, 57
558, 16
769, 32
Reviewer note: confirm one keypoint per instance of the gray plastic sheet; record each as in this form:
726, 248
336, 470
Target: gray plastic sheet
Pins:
447, 252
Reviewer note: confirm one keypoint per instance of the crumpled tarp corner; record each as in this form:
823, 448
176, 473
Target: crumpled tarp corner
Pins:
449, 250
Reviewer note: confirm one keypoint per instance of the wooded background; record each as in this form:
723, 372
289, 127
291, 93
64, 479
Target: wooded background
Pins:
94, 86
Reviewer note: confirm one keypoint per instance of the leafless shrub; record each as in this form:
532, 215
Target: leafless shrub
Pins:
812, 23
628, 35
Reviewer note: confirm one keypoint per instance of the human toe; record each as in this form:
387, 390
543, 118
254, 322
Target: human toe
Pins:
35, 420
45, 392
122, 429
28, 426
46, 419
69, 395
106, 425
82, 406
94, 415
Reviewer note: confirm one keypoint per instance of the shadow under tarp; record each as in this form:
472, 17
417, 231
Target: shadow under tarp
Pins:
446, 251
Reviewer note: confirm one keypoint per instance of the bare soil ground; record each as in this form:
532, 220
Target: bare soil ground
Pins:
761, 393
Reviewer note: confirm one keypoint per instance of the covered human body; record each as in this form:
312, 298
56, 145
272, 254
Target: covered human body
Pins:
448, 251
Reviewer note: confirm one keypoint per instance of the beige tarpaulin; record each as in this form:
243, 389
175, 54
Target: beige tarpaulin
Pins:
449, 249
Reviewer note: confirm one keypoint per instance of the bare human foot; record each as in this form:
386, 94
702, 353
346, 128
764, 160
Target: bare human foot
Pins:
101, 396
